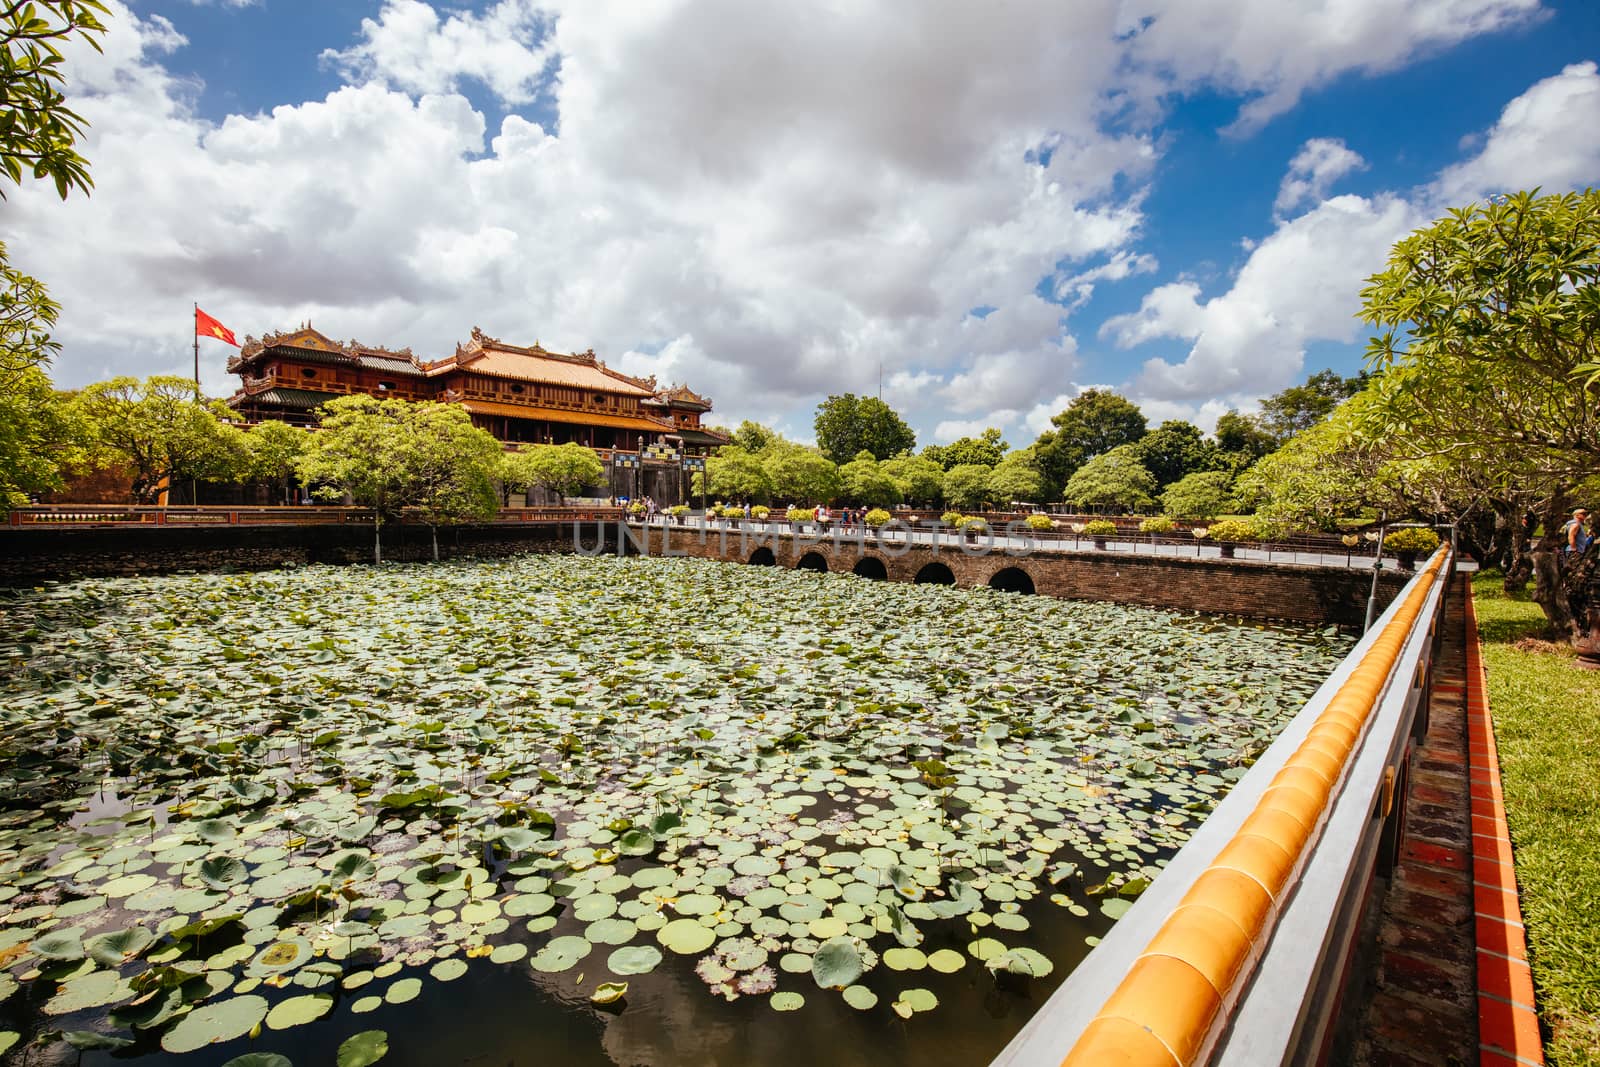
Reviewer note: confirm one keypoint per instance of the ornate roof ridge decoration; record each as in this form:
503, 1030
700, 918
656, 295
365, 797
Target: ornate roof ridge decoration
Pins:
684, 395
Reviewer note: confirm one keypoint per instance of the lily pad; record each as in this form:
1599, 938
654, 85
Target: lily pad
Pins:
635, 959
609, 992
212, 1024
560, 954
363, 1049
297, 1011
837, 964
686, 936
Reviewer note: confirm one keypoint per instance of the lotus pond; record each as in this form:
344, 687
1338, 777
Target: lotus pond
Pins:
564, 810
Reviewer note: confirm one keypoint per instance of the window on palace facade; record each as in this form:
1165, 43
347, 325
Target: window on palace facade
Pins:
386, 386
516, 389
308, 373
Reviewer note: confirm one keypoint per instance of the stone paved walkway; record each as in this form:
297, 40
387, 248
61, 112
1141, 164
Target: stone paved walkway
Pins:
1423, 1009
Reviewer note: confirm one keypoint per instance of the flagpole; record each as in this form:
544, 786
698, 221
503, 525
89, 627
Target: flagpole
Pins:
194, 327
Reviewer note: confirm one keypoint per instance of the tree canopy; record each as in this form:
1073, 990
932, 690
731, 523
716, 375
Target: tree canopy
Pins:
1096, 422
1174, 450
274, 448
564, 470
1301, 407
847, 424
986, 450
40, 435
1114, 479
1201, 495
920, 480
162, 431
798, 474
1017, 479
967, 485
864, 481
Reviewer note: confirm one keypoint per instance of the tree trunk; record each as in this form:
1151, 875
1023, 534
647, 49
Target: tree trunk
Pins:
1547, 590
377, 541
434, 530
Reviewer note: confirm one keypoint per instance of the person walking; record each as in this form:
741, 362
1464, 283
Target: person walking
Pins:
1577, 534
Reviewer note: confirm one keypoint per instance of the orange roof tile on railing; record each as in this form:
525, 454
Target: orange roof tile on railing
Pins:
1167, 1010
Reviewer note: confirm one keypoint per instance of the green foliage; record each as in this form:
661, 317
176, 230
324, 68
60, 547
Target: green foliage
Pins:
1241, 440
1100, 528
738, 473
760, 511
40, 435
1174, 450
1202, 495
1115, 479
951, 518
274, 448
1157, 525
451, 465
876, 517
798, 515
678, 510
848, 424
1484, 319
1017, 478
967, 485
27, 315
919, 479
864, 481
1096, 422
1300, 407
39, 136
986, 451
359, 451
565, 470
1411, 539
161, 430
1233, 531
973, 524
795, 472
1040, 522
754, 437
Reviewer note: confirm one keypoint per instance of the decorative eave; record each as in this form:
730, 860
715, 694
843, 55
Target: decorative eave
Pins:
681, 396
308, 339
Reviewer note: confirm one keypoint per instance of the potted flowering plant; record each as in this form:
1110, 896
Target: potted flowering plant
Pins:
1156, 527
1100, 529
974, 527
796, 516
1230, 533
1409, 542
760, 512
636, 510
1040, 522
678, 511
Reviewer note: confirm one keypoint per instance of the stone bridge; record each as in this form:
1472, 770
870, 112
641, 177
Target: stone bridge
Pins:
1248, 588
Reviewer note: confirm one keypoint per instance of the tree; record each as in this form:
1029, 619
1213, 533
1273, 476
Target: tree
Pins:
1301, 407
798, 474
1114, 479
274, 449
1094, 423
450, 466
39, 436
359, 451
847, 424
986, 450
967, 485
754, 437
1484, 318
162, 431
564, 470
1201, 495
1017, 479
736, 473
864, 481
38, 139
920, 480
1174, 450
1241, 439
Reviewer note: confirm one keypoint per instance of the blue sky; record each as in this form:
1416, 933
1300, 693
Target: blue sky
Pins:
771, 203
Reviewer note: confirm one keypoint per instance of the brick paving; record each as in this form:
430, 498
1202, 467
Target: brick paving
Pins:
1451, 986
1423, 1009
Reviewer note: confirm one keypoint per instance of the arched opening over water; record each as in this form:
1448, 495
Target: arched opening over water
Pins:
763, 557
935, 574
871, 567
1012, 580
812, 561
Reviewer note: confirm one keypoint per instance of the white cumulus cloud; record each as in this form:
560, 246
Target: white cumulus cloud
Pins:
1320, 162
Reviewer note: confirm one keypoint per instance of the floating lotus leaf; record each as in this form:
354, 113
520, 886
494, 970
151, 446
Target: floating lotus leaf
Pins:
636, 843
115, 949
448, 970
403, 991
837, 964
1025, 962
1115, 907
508, 953
860, 997
297, 1011
686, 936
92, 990
220, 872
914, 1000
946, 961
352, 867
611, 931
285, 883
363, 1049
560, 954
609, 992
62, 945
905, 959
281, 957
8, 1038
211, 1024
787, 1001
259, 1059
635, 959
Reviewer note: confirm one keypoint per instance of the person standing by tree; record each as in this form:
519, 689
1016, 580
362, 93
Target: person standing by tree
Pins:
1578, 535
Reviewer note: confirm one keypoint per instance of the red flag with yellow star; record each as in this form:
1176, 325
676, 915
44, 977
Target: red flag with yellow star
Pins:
206, 326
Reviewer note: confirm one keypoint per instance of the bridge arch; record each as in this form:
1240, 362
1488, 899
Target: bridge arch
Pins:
1012, 580
812, 561
763, 557
935, 574
871, 567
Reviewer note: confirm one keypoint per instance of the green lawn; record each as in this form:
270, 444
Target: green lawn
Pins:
1547, 721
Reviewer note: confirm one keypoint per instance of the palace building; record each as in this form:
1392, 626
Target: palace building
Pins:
520, 395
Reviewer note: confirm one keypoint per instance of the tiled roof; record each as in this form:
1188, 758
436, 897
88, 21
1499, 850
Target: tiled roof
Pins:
548, 369
300, 399
576, 418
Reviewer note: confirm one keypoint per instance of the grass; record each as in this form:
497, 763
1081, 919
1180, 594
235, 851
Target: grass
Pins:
1547, 723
